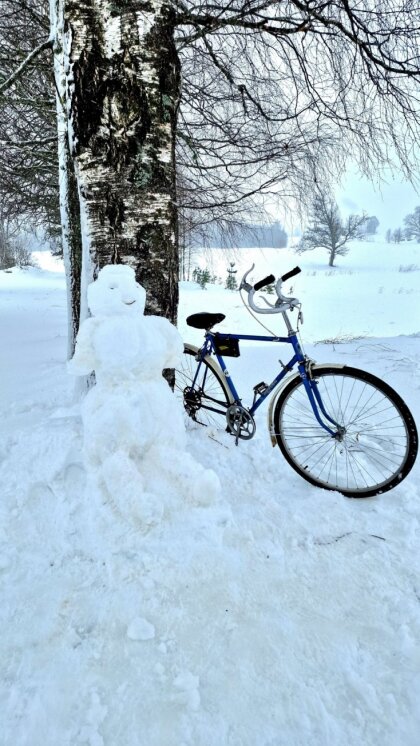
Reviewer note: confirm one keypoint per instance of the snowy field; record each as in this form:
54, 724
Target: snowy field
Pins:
277, 615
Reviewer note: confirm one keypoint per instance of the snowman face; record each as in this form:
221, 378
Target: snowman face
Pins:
116, 292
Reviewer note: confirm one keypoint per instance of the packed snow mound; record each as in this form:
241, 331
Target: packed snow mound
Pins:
134, 433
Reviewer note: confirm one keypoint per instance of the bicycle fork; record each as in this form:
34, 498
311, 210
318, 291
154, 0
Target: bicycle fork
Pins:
319, 409
312, 391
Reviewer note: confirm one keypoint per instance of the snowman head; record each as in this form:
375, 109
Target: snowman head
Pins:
116, 292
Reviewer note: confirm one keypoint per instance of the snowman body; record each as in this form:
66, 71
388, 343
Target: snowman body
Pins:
134, 434
127, 351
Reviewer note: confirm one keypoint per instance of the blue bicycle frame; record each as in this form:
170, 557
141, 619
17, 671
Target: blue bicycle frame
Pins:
298, 359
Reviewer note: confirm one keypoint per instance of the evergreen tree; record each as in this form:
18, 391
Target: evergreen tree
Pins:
205, 278
231, 283
202, 277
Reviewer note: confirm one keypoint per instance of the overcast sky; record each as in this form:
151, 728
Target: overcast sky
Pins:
390, 202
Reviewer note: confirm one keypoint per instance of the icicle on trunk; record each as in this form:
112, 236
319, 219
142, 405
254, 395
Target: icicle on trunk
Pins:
122, 94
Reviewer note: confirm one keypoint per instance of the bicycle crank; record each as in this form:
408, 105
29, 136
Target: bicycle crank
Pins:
240, 422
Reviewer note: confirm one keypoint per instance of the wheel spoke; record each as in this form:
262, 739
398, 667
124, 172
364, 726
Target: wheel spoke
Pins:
208, 401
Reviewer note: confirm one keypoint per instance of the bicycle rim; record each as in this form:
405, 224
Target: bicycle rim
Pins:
378, 447
210, 396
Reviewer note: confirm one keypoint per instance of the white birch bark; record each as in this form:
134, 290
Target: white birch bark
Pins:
122, 87
69, 205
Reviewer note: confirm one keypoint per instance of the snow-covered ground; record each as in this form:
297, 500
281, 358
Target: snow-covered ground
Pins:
278, 615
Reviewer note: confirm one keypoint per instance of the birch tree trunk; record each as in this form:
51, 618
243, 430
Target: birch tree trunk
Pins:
72, 238
122, 95
68, 188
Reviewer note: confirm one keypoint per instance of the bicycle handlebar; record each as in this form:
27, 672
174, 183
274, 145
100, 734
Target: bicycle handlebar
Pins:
292, 273
283, 303
262, 283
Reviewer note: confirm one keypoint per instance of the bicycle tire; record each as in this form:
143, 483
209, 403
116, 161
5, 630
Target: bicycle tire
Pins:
380, 444
210, 392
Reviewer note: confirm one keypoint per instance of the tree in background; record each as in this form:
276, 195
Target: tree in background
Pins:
371, 226
28, 128
412, 225
202, 277
35, 161
327, 230
6, 252
13, 252
231, 283
388, 235
397, 235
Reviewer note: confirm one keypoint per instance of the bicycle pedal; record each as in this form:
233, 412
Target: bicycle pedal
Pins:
259, 388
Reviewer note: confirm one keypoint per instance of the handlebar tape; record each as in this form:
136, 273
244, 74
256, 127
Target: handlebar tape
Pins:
266, 281
290, 274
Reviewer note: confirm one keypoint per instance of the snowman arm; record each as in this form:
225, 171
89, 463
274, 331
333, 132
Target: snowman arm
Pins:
83, 360
175, 345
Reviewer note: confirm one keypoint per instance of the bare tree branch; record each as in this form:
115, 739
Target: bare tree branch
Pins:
23, 65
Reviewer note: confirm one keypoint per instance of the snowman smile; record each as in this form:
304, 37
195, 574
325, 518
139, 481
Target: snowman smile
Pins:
129, 303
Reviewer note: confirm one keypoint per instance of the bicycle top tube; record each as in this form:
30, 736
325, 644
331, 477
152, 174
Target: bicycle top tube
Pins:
251, 337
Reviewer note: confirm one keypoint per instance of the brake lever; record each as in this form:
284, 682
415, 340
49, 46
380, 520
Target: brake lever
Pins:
244, 284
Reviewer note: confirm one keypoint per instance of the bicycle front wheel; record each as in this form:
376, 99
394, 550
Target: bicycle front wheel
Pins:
207, 401
377, 443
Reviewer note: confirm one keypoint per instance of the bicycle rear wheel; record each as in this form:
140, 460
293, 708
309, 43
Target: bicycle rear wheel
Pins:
208, 401
378, 445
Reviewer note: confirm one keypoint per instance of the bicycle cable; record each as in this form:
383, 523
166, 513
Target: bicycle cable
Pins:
298, 332
298, 325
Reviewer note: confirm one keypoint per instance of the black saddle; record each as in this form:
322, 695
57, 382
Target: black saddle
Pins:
205, 320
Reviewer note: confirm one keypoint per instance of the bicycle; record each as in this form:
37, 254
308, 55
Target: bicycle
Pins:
339, 427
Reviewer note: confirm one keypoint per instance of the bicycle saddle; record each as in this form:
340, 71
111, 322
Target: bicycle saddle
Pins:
205, 320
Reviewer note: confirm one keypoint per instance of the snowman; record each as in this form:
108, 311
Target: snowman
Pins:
134, 434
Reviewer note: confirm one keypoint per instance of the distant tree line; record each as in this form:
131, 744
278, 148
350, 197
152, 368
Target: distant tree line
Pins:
243, 236
236, 235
